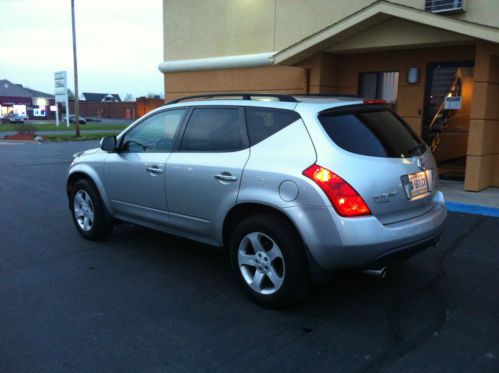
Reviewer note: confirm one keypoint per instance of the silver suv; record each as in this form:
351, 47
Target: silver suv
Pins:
294, 187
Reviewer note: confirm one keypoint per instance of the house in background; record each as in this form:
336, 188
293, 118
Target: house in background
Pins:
435, 61
101, 97
33, 104
26, 102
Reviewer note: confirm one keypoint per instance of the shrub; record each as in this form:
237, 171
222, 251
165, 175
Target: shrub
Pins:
24, 129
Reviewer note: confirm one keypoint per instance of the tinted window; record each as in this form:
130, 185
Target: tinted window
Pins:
263, 123
155, 134
214, 129
375, 133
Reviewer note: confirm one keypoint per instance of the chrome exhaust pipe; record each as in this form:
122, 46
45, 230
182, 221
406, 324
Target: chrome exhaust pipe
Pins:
376, 272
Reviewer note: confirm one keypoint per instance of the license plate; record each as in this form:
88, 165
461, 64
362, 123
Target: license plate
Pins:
418, 184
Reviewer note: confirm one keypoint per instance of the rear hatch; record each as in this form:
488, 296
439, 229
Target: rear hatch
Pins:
381, 157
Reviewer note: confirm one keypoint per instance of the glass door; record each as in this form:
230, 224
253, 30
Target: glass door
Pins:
448, 97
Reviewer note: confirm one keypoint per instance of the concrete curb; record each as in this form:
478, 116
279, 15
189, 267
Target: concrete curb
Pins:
472, 209
20, 141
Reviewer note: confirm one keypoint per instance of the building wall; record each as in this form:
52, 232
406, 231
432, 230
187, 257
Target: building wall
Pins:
143, 105
116, 110
227, 27
314, 15
482, 162
275, 79
340, 74
217, 28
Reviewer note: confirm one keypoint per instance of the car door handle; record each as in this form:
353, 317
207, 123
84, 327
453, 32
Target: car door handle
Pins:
225, 176
154, 170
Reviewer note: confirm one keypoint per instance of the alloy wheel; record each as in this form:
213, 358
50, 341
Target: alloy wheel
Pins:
84, 210
261, 263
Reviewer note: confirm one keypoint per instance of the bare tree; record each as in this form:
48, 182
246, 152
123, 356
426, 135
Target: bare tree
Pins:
128, 97
71, 95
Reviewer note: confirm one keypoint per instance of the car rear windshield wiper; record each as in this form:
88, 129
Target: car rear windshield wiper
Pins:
421, 147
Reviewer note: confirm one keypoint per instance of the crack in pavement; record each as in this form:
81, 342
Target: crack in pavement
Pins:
403, 345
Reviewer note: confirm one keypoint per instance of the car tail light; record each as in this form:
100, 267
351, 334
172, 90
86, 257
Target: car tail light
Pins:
375, 102
346, 201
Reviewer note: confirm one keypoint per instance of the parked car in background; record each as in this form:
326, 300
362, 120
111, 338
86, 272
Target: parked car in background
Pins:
12, 118
72, 119
293, 186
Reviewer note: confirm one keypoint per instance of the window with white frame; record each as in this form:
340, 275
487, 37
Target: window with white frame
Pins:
379, 85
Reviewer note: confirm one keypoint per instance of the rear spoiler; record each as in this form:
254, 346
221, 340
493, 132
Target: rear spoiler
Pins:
358, 108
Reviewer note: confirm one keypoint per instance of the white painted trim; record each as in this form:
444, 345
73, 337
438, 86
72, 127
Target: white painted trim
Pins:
215, 63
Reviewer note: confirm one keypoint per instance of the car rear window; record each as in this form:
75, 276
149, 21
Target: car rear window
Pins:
376, 133
263, 122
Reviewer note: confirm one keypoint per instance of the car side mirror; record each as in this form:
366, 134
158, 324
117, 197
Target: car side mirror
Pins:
108, 144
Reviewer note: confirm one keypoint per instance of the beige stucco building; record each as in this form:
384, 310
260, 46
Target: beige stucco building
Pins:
435, 61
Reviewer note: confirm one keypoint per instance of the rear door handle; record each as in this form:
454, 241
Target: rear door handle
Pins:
225, 176
154, 170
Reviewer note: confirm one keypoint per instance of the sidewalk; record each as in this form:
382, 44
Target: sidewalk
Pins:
57, 132
485, 202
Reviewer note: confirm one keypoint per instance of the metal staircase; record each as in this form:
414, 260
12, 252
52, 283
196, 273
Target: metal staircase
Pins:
444, 83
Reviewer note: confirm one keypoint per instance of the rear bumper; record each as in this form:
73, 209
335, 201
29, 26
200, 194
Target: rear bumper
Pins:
401, 253
339, 243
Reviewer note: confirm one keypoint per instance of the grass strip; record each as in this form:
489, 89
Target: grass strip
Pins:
83, 137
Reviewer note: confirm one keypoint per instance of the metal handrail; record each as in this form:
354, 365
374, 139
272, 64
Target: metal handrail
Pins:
438, 138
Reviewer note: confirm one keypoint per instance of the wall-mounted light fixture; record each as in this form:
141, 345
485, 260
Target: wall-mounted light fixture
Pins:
412, 75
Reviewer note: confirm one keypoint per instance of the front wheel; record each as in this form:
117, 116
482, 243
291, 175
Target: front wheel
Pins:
269, 261
89, 214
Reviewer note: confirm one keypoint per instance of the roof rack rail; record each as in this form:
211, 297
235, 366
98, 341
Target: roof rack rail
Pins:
325, 95
245, 96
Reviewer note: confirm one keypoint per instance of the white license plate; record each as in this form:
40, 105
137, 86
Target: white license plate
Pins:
419, 184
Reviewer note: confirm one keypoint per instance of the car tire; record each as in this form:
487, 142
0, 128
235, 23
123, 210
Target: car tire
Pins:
89, 213
269, 261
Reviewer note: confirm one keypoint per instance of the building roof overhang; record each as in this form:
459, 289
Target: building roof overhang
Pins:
372, 16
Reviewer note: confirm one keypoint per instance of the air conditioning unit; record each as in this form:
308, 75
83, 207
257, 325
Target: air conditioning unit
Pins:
444, 6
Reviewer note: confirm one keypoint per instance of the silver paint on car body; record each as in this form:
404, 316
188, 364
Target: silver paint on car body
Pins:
191, 194
288, 190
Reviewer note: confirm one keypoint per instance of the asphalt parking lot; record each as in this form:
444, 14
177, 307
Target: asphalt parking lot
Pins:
146, 301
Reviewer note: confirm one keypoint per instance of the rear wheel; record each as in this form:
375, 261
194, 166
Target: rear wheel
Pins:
89, 214
269, 261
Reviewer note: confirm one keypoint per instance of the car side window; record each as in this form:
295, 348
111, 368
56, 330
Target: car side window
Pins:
263, 122
155, 134
214, 130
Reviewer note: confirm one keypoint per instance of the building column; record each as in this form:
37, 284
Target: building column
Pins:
482, 161
322, 73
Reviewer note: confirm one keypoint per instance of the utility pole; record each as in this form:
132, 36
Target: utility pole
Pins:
75, 66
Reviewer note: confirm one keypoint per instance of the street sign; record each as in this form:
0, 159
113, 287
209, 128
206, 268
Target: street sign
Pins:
61, 94
60, 91
61, 86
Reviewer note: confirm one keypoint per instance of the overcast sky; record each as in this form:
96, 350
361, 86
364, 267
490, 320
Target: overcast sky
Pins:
120, 44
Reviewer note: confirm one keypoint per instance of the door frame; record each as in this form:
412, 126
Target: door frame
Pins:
427, 90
